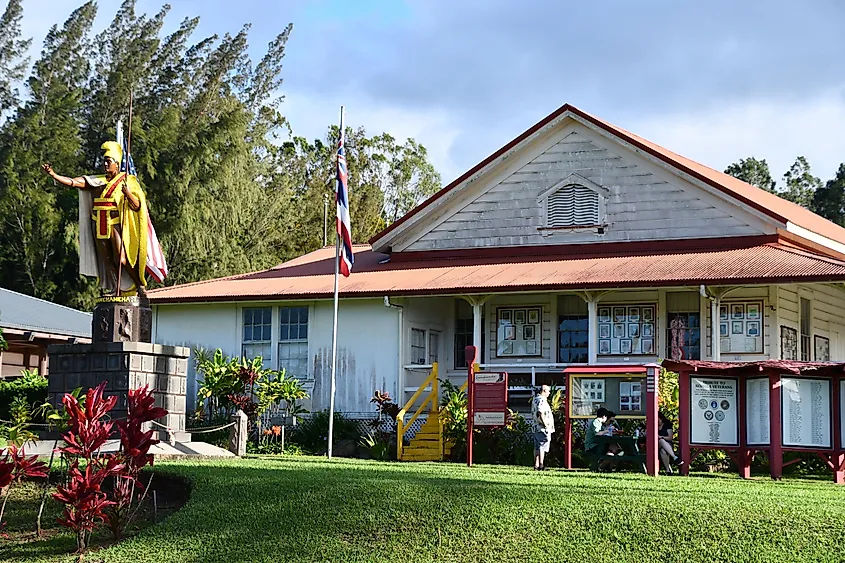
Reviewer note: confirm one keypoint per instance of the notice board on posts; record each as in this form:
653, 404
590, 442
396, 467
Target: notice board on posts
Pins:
489, 398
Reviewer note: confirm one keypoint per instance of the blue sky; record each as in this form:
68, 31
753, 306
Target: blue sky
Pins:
714, 81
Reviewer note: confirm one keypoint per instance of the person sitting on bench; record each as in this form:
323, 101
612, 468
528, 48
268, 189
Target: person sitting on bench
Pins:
596, 428
665, 434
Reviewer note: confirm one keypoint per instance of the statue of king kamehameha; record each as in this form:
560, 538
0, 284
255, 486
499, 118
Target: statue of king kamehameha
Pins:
117, 242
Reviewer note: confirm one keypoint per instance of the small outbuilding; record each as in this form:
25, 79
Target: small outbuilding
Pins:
30, 325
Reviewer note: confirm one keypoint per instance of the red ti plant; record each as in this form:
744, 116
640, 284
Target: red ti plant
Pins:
85, 501
134, 453
14, 468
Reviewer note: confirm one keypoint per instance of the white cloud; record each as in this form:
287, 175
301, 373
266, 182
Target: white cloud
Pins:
310, 116
777, 130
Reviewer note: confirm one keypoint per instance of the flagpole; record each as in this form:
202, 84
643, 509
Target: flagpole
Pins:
334, 324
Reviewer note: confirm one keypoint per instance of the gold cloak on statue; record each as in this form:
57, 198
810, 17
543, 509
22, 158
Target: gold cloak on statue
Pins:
132, 225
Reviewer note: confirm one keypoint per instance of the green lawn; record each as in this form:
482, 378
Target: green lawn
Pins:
309, 509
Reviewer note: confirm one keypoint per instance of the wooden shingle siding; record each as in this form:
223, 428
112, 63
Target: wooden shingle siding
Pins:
641, 204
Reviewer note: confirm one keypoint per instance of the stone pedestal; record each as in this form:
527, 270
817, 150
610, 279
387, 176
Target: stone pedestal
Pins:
122, 319
125, 366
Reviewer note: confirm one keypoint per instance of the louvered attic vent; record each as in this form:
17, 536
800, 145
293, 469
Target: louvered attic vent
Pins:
573, 206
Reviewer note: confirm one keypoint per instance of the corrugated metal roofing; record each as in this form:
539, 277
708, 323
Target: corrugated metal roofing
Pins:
25, 312
755, 368
312, 275
765, 202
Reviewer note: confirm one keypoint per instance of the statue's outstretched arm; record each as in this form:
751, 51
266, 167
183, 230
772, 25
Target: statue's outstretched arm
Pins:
65, 180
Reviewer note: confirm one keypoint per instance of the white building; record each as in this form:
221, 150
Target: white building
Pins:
577, 242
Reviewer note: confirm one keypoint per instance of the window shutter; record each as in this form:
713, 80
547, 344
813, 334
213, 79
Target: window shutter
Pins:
573, 206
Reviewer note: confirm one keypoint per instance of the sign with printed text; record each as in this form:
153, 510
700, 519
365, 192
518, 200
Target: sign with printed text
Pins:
713, 411
490, 399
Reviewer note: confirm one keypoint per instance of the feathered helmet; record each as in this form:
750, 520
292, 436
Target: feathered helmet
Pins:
112, 150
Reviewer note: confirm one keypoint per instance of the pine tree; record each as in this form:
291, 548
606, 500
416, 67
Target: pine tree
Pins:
38, 249
799, 184
13, 60
829, 200
754, 172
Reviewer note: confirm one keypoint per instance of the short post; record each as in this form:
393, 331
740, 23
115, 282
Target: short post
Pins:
745, 453
775, 432
471, 354
684, 419
237, 434
838, 456
651, 455
567, 422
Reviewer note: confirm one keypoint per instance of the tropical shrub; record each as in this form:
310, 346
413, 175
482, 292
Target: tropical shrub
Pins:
279, 389
312, 434
87, 504
14, 468
453, 414
31, 386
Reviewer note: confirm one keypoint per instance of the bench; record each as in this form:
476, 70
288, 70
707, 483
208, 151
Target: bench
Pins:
630, 452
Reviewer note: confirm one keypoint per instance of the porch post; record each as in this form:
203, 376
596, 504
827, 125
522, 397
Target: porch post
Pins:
775, 433
592, 329
477, 302
715, 338
476, 329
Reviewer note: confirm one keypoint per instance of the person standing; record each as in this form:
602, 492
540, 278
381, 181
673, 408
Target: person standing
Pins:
544, 426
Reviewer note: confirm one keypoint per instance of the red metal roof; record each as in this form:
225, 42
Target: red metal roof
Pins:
765, 202
312, 275
755, 368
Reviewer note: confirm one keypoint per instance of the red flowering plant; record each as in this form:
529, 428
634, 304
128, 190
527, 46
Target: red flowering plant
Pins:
135, 445
87, 504
85, 501
14, 468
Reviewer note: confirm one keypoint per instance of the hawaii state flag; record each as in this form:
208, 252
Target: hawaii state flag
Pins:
156, 264
344, 230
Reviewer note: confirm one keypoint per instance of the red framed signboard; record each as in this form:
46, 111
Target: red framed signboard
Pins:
489, 398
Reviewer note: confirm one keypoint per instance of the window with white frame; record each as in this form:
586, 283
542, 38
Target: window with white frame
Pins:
293, 341
741, 327
464, 333
806, 322
433, 347
425, 346
256, 336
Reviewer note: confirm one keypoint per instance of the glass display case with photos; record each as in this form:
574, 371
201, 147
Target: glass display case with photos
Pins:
741, 327
627, 329
625, 396
519, 331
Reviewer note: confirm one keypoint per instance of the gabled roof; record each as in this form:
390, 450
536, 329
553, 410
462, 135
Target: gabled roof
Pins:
767, 203
24, 312
730, 261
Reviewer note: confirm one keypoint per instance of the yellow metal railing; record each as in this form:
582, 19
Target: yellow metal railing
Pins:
432, 397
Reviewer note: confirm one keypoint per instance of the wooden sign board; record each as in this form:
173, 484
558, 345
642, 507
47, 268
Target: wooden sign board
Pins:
489, 399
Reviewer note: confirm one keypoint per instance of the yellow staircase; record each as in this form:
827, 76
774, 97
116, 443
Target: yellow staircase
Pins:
427, 443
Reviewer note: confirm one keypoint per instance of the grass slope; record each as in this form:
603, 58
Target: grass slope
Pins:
309, 509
